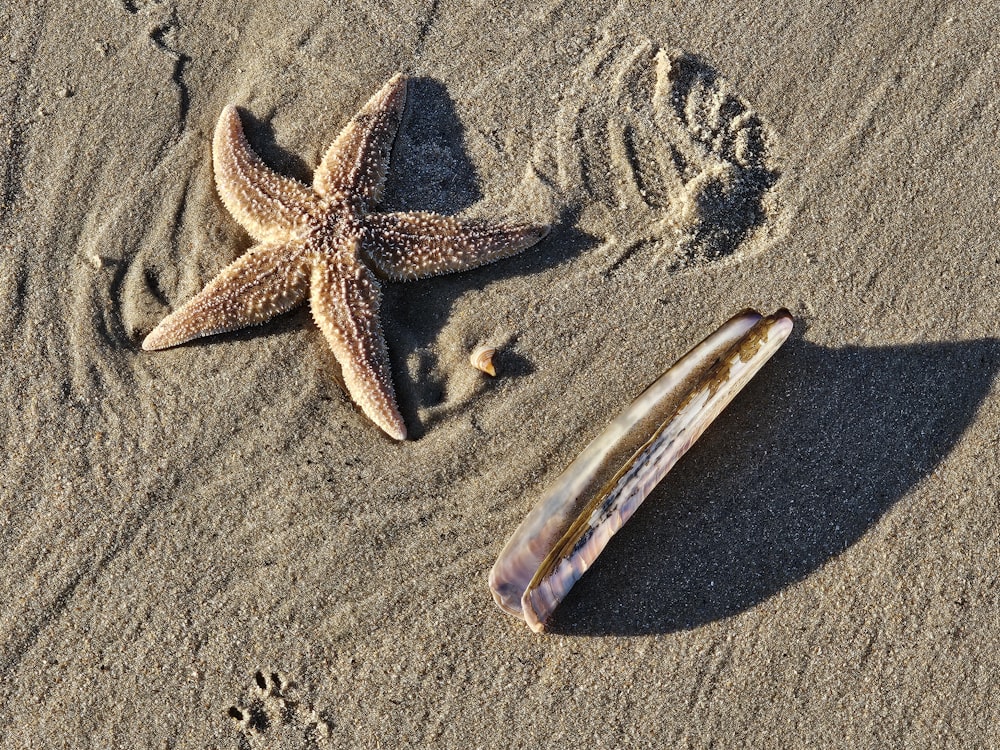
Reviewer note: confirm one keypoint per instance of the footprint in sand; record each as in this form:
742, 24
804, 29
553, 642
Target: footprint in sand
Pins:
660, 154
272, 718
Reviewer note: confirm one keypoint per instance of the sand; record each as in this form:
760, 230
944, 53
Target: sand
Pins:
210, 547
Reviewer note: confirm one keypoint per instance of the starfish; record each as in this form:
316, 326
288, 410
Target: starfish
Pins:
326, 243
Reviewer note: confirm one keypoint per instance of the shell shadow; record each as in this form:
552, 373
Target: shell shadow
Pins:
808, 458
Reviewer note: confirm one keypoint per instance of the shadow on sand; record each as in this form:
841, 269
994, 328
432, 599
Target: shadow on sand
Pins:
429, 171
815, 450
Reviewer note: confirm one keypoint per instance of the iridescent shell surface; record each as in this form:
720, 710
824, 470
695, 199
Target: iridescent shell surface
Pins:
598, 492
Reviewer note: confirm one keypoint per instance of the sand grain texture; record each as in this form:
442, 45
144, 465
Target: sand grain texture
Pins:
208, 547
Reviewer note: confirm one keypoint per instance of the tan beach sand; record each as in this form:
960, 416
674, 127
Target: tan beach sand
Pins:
210, 547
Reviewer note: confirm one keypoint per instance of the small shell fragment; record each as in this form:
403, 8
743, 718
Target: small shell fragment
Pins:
482, 359
597, 493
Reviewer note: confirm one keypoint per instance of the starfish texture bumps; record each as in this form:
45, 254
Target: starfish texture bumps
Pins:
326, 244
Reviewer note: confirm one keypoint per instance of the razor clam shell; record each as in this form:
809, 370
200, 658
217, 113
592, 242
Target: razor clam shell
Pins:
559, 540
555, 512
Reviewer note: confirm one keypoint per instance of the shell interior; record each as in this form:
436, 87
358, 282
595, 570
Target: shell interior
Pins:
597, 493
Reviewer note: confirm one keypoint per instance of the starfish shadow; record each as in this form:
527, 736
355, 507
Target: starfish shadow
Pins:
808, 458
430, 170
414, 312
509, 362
261, 136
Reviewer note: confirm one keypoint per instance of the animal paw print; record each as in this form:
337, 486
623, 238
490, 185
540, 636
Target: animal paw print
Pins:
271, 718
660, 153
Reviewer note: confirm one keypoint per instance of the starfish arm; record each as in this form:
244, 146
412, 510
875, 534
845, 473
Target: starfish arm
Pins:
407, 246
345, 300
272, 208
265, 282
356, 163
